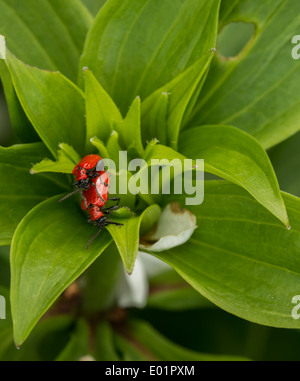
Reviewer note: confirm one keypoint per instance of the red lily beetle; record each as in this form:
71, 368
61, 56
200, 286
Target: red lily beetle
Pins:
94, 201
92, 182
89, 168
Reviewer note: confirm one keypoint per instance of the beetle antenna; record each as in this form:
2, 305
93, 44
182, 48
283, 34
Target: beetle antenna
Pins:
69, 195
92, 239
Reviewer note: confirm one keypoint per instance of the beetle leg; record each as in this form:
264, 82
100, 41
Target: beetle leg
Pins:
103, 182
92, 239
115, 199
114, 223
110, 209
102, 199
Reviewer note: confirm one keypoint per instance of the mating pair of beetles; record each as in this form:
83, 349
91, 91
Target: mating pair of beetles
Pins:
92, 183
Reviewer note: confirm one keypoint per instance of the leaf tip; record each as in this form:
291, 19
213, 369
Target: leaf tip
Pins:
286, 222
153, 141
85, 71
129, 266
129, 271
18, 343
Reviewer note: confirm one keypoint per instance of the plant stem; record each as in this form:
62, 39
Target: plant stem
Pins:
100, 280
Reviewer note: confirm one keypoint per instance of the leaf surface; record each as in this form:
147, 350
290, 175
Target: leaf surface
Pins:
241, 257
174, 35
20, 191
53, 104
48, 253
257, 91
238, 157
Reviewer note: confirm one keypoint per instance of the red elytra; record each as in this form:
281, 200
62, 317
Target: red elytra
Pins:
97, 194
95, 213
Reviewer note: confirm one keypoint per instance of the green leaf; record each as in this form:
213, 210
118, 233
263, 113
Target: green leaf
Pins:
20, 191
241, 257
105, 347
100, 147
157, 118
54, 41
129, 352
19, 121
196, 93
48, 34
149, 344
48, 253
70, 152
181, 91
67, 159
247, 91
113, 147
176, 33
238, 157
129, 130
160, 151
101, 112
77, 345
127, 237
102, 276
53, 104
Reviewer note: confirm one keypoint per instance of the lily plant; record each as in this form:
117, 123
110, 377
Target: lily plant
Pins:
144, 77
